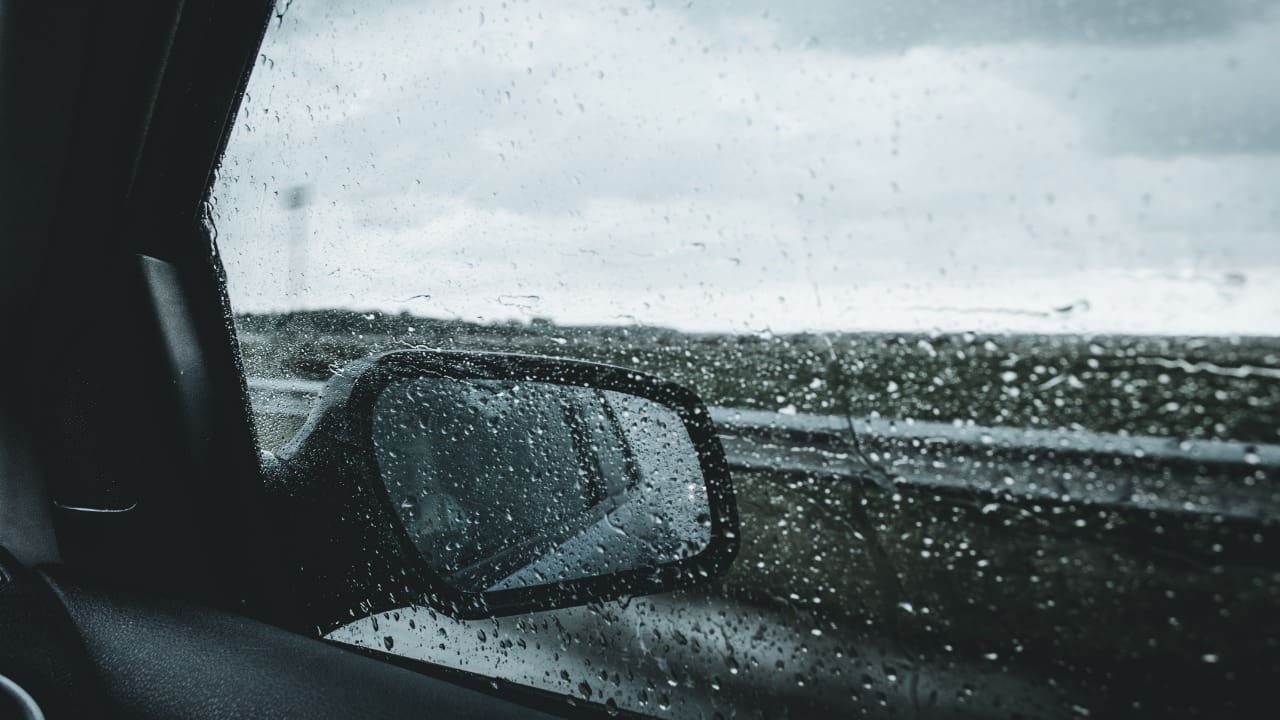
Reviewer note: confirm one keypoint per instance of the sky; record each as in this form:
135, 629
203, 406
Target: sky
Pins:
1037, 166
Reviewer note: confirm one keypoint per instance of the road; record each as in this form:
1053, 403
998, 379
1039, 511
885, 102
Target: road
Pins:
1235, 480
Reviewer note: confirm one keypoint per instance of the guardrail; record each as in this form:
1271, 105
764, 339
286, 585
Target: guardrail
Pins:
1233, 480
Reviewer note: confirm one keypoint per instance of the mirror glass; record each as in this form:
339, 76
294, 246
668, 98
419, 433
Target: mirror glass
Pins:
505, 484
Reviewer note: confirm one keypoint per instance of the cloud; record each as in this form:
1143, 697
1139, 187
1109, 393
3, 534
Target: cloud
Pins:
870, 26
702, 167
1200, 97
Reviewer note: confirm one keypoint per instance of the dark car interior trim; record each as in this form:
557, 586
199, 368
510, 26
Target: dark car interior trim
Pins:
152, 561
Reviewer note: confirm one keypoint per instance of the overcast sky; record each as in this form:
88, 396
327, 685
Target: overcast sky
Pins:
1098, 166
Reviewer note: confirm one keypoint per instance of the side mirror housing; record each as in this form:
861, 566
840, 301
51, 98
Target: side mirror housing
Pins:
487, 484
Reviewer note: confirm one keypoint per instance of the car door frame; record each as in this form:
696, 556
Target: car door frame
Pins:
163, 402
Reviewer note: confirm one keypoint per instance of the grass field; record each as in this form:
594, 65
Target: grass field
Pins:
1180, 387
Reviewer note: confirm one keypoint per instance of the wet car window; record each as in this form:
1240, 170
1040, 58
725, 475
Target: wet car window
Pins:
983, 298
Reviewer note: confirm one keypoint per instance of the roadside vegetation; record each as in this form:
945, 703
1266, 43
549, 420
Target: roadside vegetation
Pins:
1178, 387
854, 560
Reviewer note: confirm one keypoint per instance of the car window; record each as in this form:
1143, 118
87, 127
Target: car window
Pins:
983, 297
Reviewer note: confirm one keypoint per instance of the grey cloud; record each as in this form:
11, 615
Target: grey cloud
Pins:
533, 155
1213, 109
1161, 130
548, 148
1205, 98
513, 157
895, 25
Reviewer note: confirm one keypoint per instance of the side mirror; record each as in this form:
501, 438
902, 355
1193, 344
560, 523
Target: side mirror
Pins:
486, 484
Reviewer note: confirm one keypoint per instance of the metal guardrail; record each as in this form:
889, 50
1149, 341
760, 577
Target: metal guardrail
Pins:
1235, 480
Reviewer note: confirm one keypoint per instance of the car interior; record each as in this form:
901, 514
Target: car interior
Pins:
136, 576
159, 560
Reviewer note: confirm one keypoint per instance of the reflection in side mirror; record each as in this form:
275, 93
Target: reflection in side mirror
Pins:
486, 484
507, 484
